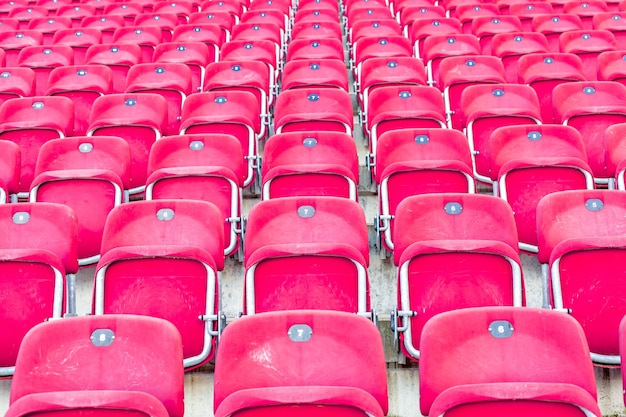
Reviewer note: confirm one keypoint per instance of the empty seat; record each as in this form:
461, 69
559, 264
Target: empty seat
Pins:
139, 118
322, 48
195, 55
110, 366
303, 73
263, 15
88, 174
147, 37
43, 59
374, 47
127, 10
476, 361
615, 22
76, 12
106, 23
9, 171
160, 250
588, 44
543, 72
32, 121
439, 47
510, 47
529, 162
13, 41
585, 9
289, 382
316, 11
16, 82
79, 40
321, 29
373, 27
254, 31
466, 13
591, 107
49, 25
306, 253
552, 25
418, 161
453, 251
423, 28
410, 13
527, 10
485, 27
222, 19
253, 50
38, 247
119, 57
207, 33
615, 151
24, 13
182, 9
310, 163
486, 107
167, 22
82, 84
207, 167
581, 247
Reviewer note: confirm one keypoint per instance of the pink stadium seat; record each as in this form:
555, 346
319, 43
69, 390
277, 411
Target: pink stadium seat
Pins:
38, 246
76, 12
8, 23
147, 37
265, 15
590, 107
586, 10
13, 41
83, 85
119, 57
254, 31
183, 9
323, 48
475, 361
418, 161
529, 162
126, 9
306, 253
9, 171
588, 44
373, 27
207, 167
227, 112
304, 73
43, 59
210, 34
254, 50
52, 5
510, 47
485, 27
111, 366
310, 163
234, 9
527, 10
486, 107
16, 82
376, 47
165, 250
48, 25
32, 121
614, 22
316, 11
453, 251
139, 118
466, 13
6, 7
316, 30
369, 11
26, 13
581, 247
223, 19
106, 23
615, 153
289, 382
195, 55
167, 22
439, 47
552, 25
410, 13
423, 28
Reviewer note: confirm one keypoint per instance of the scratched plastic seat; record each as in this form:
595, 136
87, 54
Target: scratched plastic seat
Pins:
30, 122
489, 348
111, 367
488, 106
510, 47
453, 251
43, 59
9, 171
543, 72
440, 47
106, 23
418, 161
79, 39
139, 118
486, 27
586, 10
310, 163
227, 112
314, 109
146, 37
529, 162
87, 174
303, 73
16, 82
165, 250
553, 25
207, 167
460, 72
581, 244
82, 84
590, 107
38, 249
588, 44
289, 383
306, 252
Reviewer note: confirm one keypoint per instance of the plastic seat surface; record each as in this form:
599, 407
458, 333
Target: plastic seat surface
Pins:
166, 21
485, 27
439, 47
9, 170
526, 10
552, 25
48, 25
106, 23
119, 57
147, 37
303, 73
423, 28
588, 44
13, 41
510, 47
323, 48
43, 59
16, 82
615, 22
79, 39
466, 13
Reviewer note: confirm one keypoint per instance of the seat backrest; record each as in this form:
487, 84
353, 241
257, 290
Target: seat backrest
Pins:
159, 75
96, 78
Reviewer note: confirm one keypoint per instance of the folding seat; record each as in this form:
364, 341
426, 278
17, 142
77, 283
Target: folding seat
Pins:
543, 72
325, 11
26, 13
147, 6
234, 9
12, 42
6, 7
317, 29
76, 12
398, 7
260, 50
453, 251
322, 48
312, 5
49, 25
401, 107
147, 37
614, 22
250, 76
170, 80
466, 13
207, 33
529, 162
485, 27
581, 246
139, 118
79, 40
42, 59
304, 73
118, 56
439, 47
509, 47
476, 361
527, 10
372, 27
226, 112
100, 5
552, 25
8, 23
126, 10
374, 47
109, 366
165, 250
164, 21
284, 6
585, 10
38, 246
418, 161
183, 9
590, 107
313, 109
255, 31
372, 11
9, 171
83, 85
486, 107
88, 175
310, 163
224, 20
588, 44
615, 154
207, 167
612, 66
51, 5
263, 16
289, 381
408, 14
16, 82
193, 54
306, 253
452, 5
423, 28
32, 121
